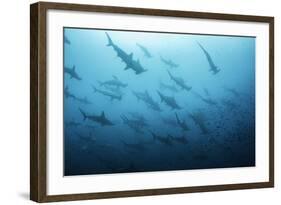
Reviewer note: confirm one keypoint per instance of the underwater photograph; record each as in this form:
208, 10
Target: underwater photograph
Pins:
139, 101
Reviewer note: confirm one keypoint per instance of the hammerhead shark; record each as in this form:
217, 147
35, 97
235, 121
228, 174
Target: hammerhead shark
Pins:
147, 99
113, 89
84, 100
213, 67
208, 100
181, 124
144, 50
133, 124
72, 123
90, 139
170, 121
229, 104
140, 147
137, 116
170, 101
171, 88
72, 73
67, 93
87, 142
233, 91
164, 140
126, 58
169, 62
114, 82
181, 140
180, 82
100, 119
199, 119
140, 119
112, 96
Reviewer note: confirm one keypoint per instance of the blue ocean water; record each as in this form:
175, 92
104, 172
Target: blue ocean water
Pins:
151, 101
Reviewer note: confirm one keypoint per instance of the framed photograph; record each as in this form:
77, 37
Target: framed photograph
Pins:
135, 102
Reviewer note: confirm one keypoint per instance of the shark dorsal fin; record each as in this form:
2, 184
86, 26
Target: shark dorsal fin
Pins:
102, 114
73, 68
131, 55
114, 77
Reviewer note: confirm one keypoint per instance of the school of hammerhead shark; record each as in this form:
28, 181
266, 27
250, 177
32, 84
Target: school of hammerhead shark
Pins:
136, 121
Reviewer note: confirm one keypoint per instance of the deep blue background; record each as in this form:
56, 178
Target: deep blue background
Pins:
230, 141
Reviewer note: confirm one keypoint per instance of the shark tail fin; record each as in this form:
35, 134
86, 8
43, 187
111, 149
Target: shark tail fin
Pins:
142, 71
102, 114
83, 113
199, 44
216, 71
131, 56
110, 42
124, 118
160, 94
154, 136
169, 74
178, 120
95, 89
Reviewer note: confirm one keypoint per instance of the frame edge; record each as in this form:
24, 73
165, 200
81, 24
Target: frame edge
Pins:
37, 102
271, 102
34, 41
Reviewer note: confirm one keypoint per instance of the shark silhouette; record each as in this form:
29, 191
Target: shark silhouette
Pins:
126, 58
213, 67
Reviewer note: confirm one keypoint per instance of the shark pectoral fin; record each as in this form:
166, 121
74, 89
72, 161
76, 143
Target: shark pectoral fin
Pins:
216, 71
126, 68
